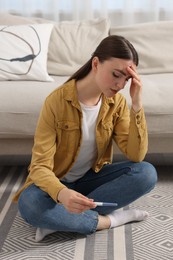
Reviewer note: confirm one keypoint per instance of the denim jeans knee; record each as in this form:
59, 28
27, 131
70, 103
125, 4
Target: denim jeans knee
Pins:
149, 173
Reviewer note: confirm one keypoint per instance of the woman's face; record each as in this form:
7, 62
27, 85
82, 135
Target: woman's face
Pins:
111, 76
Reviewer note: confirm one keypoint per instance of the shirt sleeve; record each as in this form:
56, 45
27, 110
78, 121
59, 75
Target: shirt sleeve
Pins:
130, 133
42, 163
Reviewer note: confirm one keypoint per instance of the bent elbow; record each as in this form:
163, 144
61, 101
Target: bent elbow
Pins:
138, 157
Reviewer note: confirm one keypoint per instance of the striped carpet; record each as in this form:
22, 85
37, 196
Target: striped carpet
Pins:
148, 240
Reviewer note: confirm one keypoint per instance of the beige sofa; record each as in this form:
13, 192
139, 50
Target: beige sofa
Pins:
69, 45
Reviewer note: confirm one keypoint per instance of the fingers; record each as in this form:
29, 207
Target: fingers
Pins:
81, 204
135, 88
79, 208
136, 81
75, 202
133, 72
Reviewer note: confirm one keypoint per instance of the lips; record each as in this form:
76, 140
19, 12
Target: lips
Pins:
114, 91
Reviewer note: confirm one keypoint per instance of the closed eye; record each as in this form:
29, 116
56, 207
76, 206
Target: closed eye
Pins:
115, 75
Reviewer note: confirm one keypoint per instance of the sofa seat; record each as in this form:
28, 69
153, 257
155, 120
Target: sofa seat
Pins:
20, 105
22, 101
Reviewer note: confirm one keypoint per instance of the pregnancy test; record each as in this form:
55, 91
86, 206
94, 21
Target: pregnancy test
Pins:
108, 204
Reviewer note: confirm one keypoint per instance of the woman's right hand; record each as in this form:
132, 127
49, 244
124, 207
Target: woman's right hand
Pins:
135, 88
74, 201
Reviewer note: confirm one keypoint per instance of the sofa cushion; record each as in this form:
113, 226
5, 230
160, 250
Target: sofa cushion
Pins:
23, 52
154, 43
157, 101
71, 43
20, 104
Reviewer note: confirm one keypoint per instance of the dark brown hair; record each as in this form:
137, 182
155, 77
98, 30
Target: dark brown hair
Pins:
113, 46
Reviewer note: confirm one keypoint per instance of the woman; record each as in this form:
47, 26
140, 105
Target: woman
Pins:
71, 166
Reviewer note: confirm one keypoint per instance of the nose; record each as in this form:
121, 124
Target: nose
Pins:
120, 86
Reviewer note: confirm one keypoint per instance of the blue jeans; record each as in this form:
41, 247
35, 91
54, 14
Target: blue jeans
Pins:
122, 182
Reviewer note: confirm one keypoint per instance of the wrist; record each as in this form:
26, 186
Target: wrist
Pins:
60, 194
137, 107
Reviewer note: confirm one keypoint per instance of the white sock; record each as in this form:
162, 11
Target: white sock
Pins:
42, 232
119, 218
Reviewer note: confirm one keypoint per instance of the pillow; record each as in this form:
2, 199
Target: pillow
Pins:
71, 42
23, 52
154, 44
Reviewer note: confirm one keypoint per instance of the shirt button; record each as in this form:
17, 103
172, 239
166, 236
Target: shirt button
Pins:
66, 126
138, 122
137, 117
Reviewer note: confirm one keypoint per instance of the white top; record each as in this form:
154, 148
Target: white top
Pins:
88, 151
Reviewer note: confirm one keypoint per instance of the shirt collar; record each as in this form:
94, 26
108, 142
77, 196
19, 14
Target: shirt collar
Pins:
70, 94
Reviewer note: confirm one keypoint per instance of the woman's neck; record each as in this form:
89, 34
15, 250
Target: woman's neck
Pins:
87, 91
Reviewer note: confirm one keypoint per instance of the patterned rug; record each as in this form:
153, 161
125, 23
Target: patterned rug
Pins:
148, 240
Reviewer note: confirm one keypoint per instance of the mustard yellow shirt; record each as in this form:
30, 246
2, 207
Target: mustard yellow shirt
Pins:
58, 137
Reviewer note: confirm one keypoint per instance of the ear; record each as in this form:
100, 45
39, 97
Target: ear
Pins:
95, 62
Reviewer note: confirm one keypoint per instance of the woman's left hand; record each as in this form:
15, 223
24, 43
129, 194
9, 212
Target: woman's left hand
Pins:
135, 88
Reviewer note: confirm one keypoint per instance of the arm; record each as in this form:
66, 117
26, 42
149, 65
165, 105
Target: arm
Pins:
42, 163
131, 130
